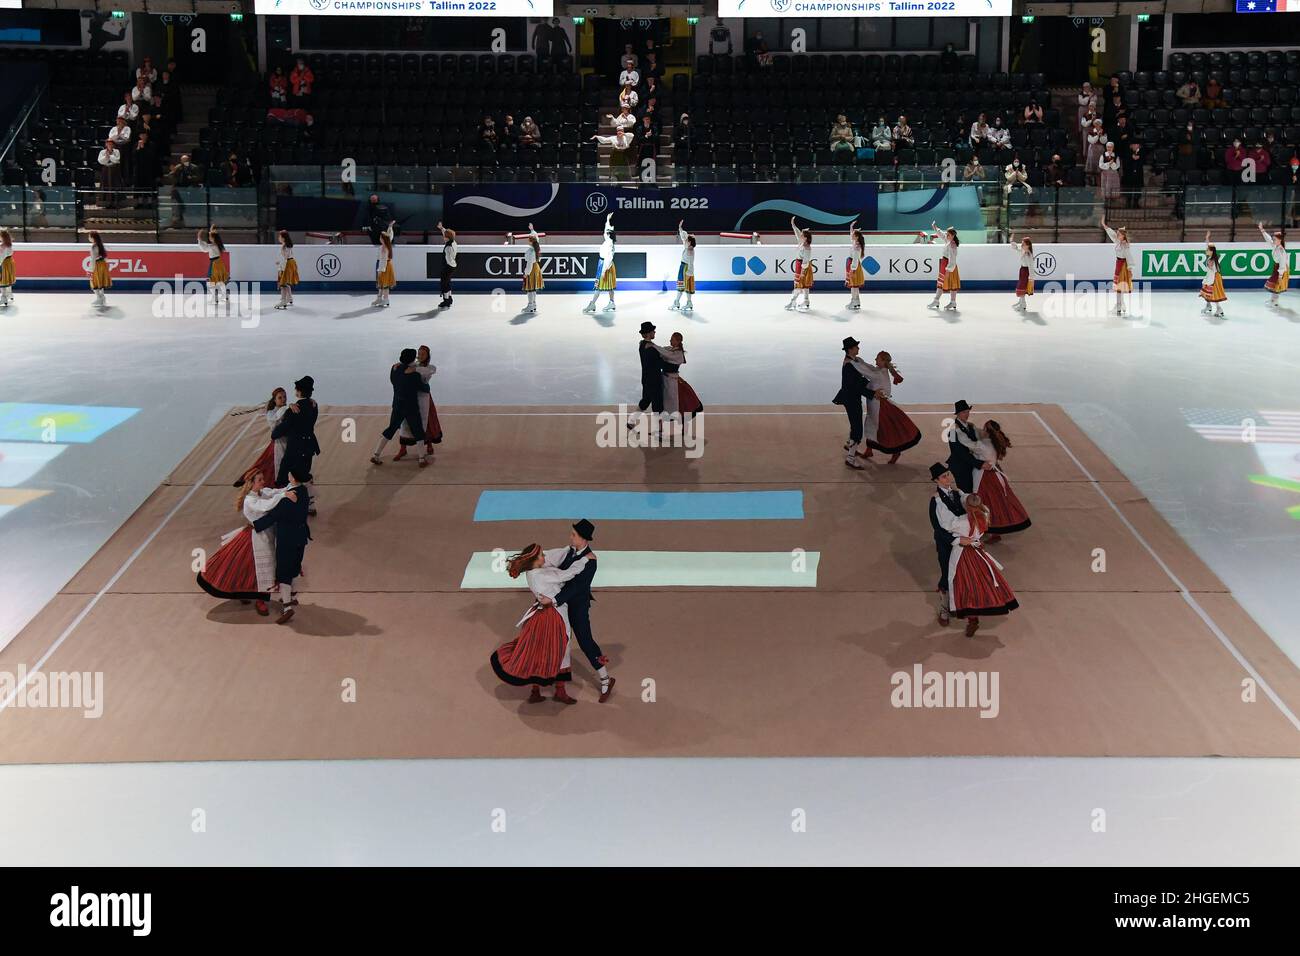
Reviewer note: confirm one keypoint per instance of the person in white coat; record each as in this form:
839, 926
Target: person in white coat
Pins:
803, 266
533, 282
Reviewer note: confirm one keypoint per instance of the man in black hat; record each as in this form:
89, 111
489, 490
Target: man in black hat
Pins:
289, 518
652, 378
576, 595
407, 385
961, 448
298, 428
854, 387
946, 495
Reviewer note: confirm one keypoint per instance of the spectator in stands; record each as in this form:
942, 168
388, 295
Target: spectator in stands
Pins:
720, 39
1086, 123
757, 51
902, 135
1133, 176
279, 86
186, 173
1121, 135
979, 133
999, 135
649, 136
1016, 176
1187, 147
120, 133
629, 54
1113, 110
652, 67
232, 169
301, 81
487, 133
530, 134
142, 92
623, 121
509, 132
147, 72
651, 109
129, 111
1234, 157
1293, 181
144, 162
170, 91
630, 75
1213, 98
620, 141
1190, 93
1087, 100
1095, 143
651, 88
1032, 115
842, 139
550, 39
379, 218
882, 136
948, 62
1108, 167
682, 134
973, 171
1263, 162
628, 97
110, 168
1054, 173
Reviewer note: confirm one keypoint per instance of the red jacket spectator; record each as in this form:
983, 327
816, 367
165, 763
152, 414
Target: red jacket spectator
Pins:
279, 88
1263, 162
301, 79
1233, 156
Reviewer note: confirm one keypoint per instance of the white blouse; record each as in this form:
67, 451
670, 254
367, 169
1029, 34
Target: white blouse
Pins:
688, 251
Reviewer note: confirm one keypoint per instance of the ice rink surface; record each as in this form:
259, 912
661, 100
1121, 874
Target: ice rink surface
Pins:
1202, 414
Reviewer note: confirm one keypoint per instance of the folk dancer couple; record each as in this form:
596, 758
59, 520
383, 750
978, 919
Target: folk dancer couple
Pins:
971, 584
264, 556
975, 456
879, 424
292, 444
663, 390
413, 411
560, 580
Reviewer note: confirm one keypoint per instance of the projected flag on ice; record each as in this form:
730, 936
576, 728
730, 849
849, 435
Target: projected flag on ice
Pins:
1244, 424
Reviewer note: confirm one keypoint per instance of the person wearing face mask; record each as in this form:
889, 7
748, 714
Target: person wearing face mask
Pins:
1096, 145
1234, 157
1293, 181
1017, 177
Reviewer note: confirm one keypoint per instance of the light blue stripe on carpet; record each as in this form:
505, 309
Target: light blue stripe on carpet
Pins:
660, 569
640, 505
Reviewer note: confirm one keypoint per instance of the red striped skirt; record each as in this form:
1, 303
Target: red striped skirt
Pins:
535, 655
1024, 282
1006, 514
978, 587
432, 428
897, 433
266, 464
688, 403
230, 573
1123, 277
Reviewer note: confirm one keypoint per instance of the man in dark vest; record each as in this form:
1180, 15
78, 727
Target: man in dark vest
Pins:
289, 518
961, 448
652, 377
576, 596
948, 496
298, 428
407, 386
854, 387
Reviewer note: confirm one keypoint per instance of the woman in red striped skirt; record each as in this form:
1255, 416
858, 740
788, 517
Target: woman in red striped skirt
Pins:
1025, 277
1006, 514
976, 587
539, 654
887, 427
425, 368
243, 568
268, 462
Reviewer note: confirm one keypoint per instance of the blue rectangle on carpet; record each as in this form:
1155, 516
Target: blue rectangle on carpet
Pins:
640, 505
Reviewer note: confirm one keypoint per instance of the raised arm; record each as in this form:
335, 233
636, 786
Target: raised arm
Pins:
1264, 232
682, 234
794, 227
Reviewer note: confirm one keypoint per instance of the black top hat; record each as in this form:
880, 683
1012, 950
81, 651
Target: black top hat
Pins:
937, 469
850, 343
961, 406
407, 356
586, 530
647, 327
305, 384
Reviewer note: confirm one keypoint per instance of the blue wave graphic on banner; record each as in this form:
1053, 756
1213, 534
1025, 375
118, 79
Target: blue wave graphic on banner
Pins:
799, 209
936, 197
518, 212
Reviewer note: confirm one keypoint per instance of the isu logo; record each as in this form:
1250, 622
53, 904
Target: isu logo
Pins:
328, 265
117, 265
596, 203
1044, 263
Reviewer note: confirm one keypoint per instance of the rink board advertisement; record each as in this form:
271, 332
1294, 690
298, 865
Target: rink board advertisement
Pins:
480, 9
580, 207
571, 266
862, 8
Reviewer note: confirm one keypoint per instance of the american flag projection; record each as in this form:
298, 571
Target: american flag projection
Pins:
1275, 436
1268, 6
1244, 424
